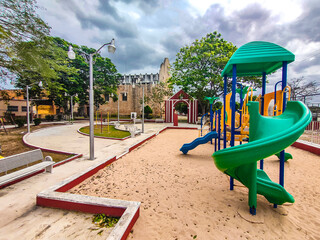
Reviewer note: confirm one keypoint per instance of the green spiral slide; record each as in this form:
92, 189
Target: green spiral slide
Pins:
267, 136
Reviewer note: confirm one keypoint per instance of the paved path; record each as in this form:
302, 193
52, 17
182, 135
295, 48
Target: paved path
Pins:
20, 218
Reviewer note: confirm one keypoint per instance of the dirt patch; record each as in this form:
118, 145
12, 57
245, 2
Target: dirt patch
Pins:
12, 143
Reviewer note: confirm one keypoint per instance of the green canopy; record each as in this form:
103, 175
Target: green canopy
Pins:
254, 58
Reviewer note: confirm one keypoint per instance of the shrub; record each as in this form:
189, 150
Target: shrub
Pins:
59, 117
20, 122
147, 111
37, 121
49, 117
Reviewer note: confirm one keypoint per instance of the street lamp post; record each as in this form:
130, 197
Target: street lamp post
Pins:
28, 105
71, 100
142, 109
72, 55
139, 81
118, 108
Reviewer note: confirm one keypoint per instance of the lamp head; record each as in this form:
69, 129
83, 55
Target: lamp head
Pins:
71, 53
111, 46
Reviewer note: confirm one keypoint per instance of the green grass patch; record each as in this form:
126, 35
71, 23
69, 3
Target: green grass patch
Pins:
106, 131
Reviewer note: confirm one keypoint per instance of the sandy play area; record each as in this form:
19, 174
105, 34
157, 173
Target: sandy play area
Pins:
187, 197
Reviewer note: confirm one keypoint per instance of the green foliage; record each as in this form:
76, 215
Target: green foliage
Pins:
106, 80
181, 107
49, 117
237, 106
5, 97
159, 92
37, 121
110, 131
102, 220
20, 122
216, 106
147, 111
71, 77
22, 33
198, 67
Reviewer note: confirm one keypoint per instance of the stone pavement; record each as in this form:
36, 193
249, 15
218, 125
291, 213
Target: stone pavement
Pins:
20, 218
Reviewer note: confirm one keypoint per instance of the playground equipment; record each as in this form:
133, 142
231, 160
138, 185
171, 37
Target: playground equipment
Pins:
209, 136
201, 140
267, 135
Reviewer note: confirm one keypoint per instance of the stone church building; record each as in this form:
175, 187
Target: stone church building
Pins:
130, 92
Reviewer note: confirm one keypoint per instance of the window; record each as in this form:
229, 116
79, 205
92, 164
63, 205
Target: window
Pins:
12, 108
124, 96
107, 96
24, 109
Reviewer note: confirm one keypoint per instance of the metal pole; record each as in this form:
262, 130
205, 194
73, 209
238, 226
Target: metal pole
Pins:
233, 112
118, 107
91, 116
264, 81
71, 108
142, 109
28, 114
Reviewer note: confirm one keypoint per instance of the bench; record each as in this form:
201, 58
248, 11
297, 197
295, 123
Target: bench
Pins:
23, 159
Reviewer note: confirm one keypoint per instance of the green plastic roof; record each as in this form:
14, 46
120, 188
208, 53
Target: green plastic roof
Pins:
254, 58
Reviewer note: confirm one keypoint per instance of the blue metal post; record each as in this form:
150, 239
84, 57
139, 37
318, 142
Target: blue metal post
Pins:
219, 128
282, 153
211, 118
264, 78
284, 84
215, 127
241, 103
224, 113
275, 96
211, 123
233, 111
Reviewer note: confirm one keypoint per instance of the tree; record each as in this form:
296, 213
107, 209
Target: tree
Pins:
300, 88
181, 107
22, 32
198, 67
159, 92
58, 79
106, 81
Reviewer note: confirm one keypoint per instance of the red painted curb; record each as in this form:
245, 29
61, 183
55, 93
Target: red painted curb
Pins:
307, 147
82, 207
83, 177
140, 143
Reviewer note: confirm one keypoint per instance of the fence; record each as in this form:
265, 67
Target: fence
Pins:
312, 132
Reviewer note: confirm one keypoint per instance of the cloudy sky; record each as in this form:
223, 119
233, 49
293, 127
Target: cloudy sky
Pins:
147, 31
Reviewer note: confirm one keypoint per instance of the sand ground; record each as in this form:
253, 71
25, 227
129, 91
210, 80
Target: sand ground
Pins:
187, 197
